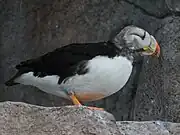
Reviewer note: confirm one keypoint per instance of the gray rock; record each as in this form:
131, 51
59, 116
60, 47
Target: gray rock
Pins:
25, 119
148, 128
173, 5
158, 95
156, 8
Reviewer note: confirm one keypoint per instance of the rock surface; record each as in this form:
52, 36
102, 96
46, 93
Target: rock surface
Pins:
160, 80
25, 119
31, 28
148, 128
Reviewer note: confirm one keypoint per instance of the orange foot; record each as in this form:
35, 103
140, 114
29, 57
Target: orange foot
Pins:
76, 102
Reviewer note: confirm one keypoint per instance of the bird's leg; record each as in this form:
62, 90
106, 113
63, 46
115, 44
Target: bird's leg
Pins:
74, 98
76, 101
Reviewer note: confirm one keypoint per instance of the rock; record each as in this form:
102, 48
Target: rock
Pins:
148, 128
173, 5
25, 119
156, 8
158, 95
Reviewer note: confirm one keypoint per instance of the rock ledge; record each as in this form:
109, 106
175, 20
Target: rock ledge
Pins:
25, 119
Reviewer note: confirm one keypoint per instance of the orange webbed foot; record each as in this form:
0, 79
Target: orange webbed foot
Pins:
76, 102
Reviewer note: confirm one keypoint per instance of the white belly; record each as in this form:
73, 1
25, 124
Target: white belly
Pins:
105, 76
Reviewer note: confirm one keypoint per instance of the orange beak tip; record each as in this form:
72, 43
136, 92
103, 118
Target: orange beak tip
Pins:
157, 51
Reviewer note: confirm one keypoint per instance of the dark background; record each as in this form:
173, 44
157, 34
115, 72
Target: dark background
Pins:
30, 28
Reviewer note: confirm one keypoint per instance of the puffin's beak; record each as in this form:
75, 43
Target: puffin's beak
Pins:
157, 51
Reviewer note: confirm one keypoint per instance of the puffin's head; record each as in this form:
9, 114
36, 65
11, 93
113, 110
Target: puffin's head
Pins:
137, 39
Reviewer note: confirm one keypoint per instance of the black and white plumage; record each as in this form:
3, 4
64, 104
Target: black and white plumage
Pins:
91, 70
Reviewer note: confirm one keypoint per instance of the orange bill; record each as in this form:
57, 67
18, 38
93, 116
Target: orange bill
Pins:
157, 51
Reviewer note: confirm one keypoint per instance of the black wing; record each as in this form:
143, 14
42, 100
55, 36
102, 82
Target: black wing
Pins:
68, 60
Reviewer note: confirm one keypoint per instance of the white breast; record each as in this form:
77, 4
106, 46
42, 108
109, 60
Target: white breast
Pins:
106, 75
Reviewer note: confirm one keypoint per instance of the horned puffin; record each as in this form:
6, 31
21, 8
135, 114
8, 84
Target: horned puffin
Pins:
83, 72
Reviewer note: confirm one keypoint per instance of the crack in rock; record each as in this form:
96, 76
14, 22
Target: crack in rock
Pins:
162, 16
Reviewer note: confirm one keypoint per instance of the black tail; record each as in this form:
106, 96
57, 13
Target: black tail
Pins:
23, 67
21, 71
11, 82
